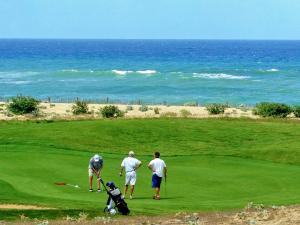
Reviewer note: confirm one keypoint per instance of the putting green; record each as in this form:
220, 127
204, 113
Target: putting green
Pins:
32, 160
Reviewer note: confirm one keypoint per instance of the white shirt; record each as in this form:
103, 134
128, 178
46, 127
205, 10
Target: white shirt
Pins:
130, 164
158, 166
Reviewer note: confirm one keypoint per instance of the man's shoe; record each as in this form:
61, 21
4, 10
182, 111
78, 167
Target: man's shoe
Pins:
130, 197
91, 190
99, 190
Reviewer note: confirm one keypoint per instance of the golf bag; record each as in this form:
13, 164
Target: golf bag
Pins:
115, 196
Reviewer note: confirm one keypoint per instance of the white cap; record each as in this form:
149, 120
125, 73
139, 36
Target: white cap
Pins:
131, 153
96, 158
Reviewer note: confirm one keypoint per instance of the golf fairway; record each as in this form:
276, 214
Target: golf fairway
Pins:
213, 164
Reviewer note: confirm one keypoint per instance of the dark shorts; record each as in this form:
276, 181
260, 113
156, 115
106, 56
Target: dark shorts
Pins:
156, 181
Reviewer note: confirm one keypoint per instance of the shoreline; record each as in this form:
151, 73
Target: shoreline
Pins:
64, 111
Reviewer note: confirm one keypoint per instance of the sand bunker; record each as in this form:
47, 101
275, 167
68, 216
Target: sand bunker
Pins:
15, 206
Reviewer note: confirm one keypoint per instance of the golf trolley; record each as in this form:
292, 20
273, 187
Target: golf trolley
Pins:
114, 196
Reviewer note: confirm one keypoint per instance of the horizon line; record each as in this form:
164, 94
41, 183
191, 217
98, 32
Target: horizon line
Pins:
167, 39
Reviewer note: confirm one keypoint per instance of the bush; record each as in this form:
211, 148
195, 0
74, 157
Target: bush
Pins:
297, 111
216, 108
111, 111
129, 108
185, 113
191, 104
22, 105
168, 114
143, 108
80, 107
156, 110
269, 109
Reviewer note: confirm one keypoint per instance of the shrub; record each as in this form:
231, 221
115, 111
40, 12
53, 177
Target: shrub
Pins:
185, 113
111, 111
22, 105
297, 111
80, 107
216, 108
156, 110
43, 107
143, 108
269, 109
191, 104
168, 114
129, 108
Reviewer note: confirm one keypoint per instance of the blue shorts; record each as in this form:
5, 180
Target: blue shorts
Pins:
156, 181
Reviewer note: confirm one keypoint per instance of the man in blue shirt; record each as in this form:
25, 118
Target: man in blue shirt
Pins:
95, 167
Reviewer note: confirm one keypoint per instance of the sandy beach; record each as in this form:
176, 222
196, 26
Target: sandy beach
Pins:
64, 111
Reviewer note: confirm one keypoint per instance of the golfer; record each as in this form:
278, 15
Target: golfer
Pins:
159, 169
95, 167
130, 164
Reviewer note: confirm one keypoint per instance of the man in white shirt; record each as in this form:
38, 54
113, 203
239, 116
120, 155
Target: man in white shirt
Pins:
130, 165
159, 169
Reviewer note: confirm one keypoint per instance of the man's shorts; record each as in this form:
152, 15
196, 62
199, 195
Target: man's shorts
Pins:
156, 181
91, 172
130, 178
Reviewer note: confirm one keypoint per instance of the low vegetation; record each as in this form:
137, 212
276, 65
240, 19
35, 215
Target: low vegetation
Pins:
185, 113
111, 111
168, 114
272, 109
23, 105
297, 111
156, 110
216, 108
129, 108
80, 107
143, 108
191, 104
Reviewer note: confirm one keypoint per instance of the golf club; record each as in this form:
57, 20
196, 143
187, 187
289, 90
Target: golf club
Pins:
66, 184
165, 186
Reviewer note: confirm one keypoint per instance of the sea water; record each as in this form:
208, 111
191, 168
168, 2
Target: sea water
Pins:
152, 71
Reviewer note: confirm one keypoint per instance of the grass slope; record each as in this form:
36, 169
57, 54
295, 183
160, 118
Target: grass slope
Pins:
214, 164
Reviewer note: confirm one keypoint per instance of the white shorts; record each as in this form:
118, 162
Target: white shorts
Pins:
91, 172
130, 178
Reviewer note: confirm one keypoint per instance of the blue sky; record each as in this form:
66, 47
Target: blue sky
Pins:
188, 19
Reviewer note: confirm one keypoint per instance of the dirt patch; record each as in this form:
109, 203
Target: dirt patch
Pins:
251, 215
15, 206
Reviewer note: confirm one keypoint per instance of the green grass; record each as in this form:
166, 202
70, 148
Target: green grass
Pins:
214, 164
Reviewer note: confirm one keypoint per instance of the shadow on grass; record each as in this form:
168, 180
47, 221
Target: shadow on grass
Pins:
150, 198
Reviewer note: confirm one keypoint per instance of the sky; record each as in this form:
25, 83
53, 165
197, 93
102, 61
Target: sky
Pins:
150, 19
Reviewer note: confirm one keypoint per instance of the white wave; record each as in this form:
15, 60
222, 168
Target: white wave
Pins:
12, 74
219, 76
70, 70
122, 72
17, 82
146, 71
22, 82
273, 70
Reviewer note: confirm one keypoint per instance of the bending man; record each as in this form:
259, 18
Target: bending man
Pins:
95, 167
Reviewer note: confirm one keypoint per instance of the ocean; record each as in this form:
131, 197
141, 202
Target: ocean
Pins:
152, 71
